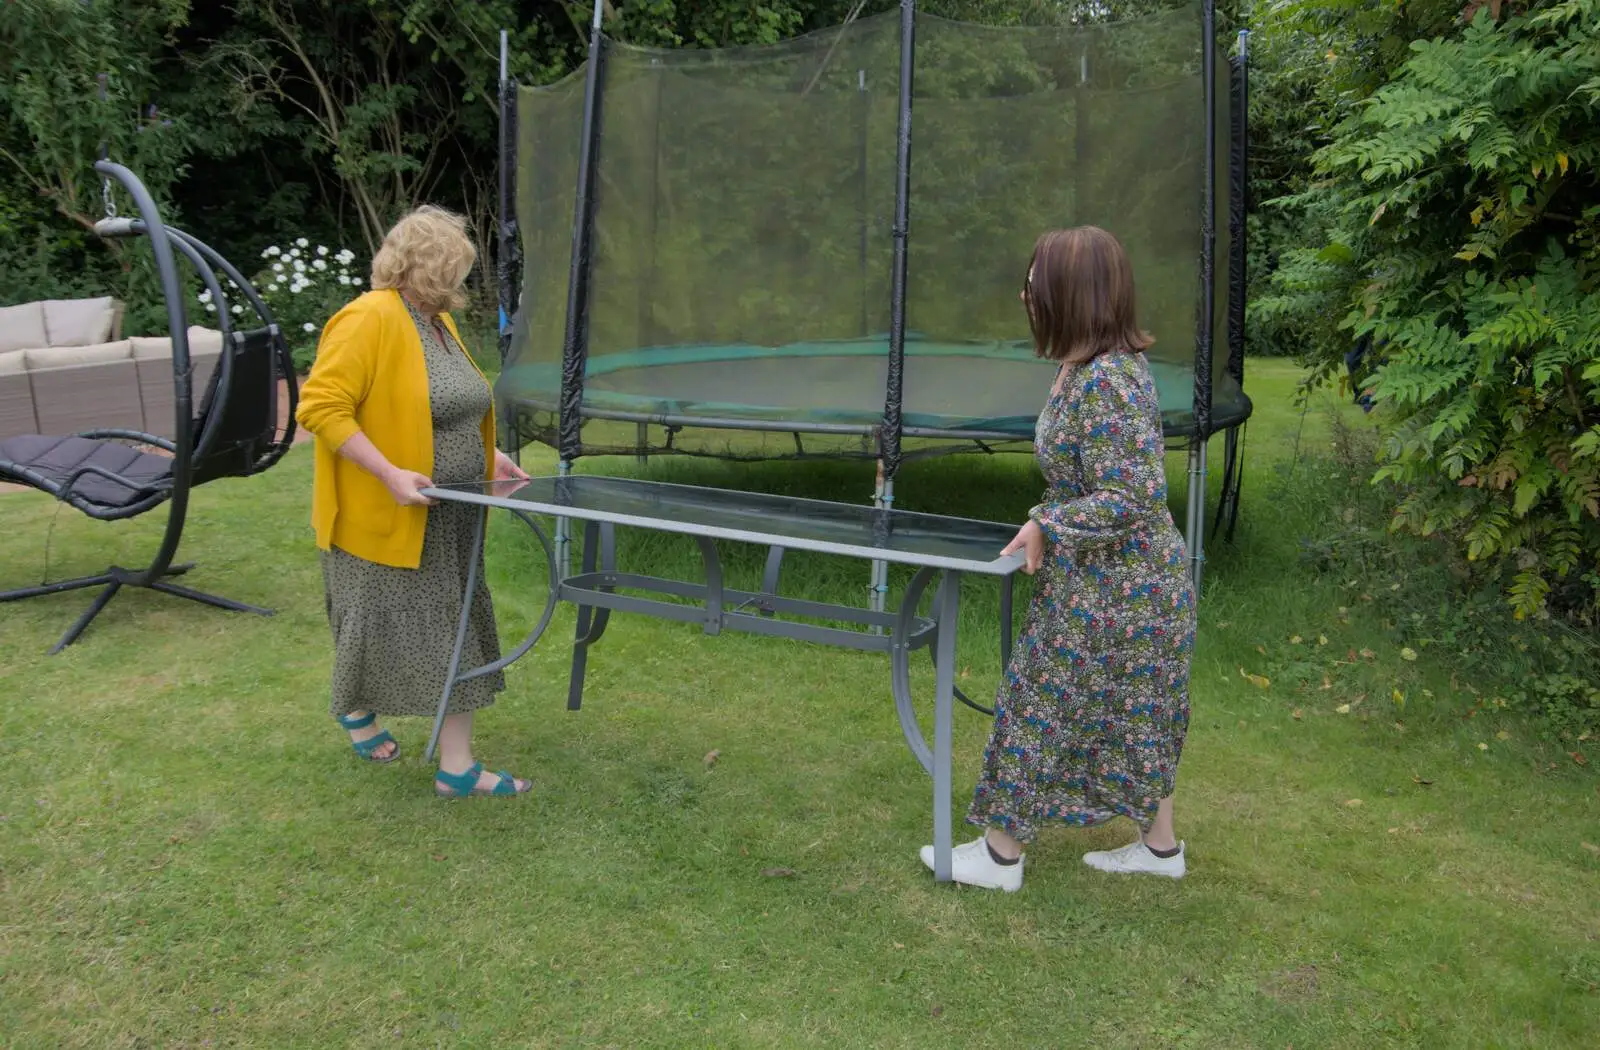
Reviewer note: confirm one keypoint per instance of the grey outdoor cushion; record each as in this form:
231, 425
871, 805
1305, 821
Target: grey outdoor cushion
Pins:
49, 463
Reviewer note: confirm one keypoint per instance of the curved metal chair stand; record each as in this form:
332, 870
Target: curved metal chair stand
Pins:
229, 430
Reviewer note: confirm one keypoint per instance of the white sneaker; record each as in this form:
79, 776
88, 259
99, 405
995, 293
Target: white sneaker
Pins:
1136, 859
971, 865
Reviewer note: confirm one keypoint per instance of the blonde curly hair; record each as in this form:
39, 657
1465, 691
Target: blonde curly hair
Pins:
426, 256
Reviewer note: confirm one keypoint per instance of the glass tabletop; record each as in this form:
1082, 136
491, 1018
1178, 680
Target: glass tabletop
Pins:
899, 536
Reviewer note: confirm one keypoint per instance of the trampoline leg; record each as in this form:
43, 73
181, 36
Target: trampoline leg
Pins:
1196, 539
882, 499
1232, 483
564, 532
1188, 515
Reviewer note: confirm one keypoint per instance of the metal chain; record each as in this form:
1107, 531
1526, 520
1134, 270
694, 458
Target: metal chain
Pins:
105, 183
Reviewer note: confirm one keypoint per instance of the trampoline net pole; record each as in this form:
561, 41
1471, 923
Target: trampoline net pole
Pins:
864, 116
1238, 203
895, 386
508, 262
1081, 147
1206, 319
645, 291
1206, 316
575, 343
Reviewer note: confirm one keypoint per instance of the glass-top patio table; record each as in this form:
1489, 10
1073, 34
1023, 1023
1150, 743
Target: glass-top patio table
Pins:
933, 545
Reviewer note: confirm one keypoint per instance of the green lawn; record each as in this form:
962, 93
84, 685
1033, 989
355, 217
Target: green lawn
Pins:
190, 856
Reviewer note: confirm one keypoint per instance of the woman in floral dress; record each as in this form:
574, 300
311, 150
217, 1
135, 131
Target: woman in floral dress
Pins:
1091, 717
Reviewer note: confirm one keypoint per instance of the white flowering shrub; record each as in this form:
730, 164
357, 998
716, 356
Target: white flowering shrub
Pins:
303, 285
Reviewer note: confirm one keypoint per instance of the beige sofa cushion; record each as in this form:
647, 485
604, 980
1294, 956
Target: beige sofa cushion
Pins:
202, 342
52, 357
22, 327
79, 322
13, 362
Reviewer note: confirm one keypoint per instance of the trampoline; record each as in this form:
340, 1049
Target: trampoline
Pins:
823, 239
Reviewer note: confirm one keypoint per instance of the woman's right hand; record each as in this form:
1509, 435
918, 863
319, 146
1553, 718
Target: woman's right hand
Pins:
406, 487
1030, 541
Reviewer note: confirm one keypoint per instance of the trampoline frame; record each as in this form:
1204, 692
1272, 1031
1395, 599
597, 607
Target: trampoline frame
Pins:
571, 411
829, 421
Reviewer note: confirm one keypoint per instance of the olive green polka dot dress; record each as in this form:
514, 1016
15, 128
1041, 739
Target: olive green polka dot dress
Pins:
393, 628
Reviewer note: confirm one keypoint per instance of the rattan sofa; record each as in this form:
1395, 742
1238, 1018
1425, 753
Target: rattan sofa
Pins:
65, 368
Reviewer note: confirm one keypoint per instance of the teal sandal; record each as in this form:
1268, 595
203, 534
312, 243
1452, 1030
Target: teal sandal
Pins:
464, 785
366, 748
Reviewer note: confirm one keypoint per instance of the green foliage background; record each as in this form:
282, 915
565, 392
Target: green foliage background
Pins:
1450, 218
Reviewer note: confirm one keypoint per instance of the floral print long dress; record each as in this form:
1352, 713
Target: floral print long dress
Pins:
1092, 713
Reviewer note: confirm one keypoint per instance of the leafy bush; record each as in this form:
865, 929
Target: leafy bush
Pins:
81, 77
1463, 243
1428, 596
303, 285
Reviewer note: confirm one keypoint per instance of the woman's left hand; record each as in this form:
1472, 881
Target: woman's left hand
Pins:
505, 469
1030, 541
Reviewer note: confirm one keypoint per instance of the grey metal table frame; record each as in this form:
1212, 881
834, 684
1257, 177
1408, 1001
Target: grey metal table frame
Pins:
595, 592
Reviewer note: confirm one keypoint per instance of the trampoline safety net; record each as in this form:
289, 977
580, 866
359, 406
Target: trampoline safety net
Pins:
742, 239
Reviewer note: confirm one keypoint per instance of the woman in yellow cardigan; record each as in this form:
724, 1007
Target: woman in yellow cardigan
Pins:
396, 403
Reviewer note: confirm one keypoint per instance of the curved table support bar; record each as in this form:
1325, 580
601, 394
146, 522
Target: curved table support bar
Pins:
543, 624
452, 677
900, 667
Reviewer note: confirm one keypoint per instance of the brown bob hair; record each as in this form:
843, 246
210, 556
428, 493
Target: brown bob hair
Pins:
1080, 299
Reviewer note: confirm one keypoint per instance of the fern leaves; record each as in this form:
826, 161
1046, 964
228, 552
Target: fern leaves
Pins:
1467, 233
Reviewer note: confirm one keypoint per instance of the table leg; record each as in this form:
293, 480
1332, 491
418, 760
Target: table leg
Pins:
1005, 649
713, 564
769, 575
949, 606
608, 564
461, 630
1008, 586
